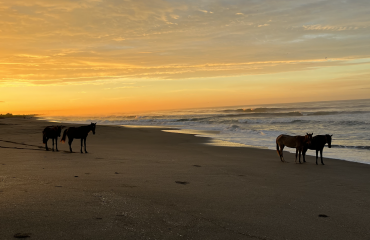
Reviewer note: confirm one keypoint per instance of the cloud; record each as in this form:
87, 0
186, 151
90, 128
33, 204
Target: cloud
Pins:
330, 28
67, 42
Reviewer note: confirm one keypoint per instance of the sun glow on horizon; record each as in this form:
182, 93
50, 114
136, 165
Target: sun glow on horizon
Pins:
90, 57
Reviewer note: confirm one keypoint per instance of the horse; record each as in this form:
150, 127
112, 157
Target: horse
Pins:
78, 133
318, 142
297, 142
52, 132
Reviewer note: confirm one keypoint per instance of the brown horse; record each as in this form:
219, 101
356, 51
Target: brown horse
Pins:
318, 142
297, 142
78, 133
52, 132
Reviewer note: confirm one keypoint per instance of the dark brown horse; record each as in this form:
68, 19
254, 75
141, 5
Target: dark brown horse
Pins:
318, 142
78, 133
52, 132
297, 142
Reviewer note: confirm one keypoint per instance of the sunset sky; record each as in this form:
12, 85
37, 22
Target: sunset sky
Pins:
72, 57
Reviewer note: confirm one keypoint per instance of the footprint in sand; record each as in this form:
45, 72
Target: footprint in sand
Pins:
22, 235
323, 215
181, 182
196, 165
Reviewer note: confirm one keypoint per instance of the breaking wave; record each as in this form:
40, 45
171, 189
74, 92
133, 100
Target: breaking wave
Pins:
351, 147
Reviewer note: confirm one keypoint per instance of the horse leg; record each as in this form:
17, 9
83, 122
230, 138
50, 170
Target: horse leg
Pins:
317, 153
70, 140
300, 152
56, 144
85, 145
81, 144
304, 156
296, 155
321, 157
46, 144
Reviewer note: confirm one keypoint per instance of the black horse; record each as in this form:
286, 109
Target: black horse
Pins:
52, 132
79, 133
318, 142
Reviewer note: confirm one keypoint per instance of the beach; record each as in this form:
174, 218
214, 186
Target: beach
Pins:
143, 183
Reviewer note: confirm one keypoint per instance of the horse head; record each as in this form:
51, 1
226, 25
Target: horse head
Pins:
328, 139
308, 138
93, 125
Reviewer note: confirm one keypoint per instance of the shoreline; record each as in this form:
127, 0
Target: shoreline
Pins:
148, 184
217, 141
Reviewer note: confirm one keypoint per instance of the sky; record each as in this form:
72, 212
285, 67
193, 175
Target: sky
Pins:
88, 57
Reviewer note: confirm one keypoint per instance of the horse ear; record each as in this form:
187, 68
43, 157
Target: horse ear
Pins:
331, 135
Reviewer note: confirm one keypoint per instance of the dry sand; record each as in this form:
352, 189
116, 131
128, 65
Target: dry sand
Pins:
138, 183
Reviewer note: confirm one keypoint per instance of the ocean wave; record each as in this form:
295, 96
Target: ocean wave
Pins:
264, 114
351, 147
334, 112
256, 110
192, 119
233, 127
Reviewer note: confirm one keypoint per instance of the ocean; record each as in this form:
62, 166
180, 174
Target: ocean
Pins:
259, 125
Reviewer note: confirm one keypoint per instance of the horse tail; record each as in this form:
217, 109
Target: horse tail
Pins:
43, 137
277, 149
64, 135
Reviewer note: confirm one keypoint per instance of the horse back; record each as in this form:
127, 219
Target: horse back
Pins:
289, 141
50, 132
317, 143
77, 132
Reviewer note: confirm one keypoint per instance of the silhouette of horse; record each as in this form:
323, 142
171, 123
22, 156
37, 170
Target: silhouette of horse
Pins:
52, 132
318, 142
297, 142
78, 133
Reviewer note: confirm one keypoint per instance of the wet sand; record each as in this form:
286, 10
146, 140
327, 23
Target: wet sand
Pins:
142, 183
